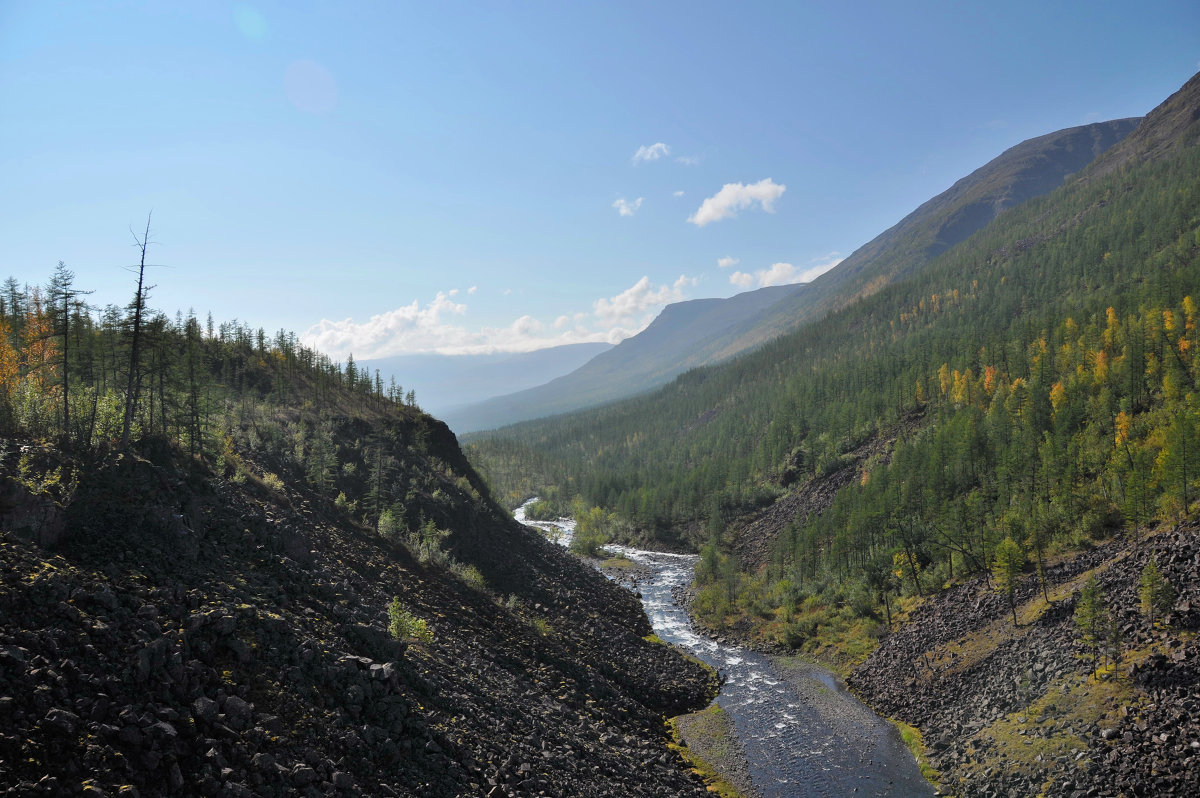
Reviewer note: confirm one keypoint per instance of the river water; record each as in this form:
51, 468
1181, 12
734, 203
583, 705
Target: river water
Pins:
804, 735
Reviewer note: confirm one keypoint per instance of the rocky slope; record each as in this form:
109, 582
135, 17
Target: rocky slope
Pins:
1009, 711
193, 635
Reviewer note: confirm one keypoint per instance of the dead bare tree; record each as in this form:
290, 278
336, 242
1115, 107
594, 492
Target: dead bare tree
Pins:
137, 307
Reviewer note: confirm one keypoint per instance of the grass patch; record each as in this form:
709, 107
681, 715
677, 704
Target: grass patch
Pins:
830, 636
1043, 731
618, 563
911, 736
709, 738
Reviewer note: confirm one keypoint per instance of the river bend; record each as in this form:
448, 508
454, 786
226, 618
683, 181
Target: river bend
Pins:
804, 735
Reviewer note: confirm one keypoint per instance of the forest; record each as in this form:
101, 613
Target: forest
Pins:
79, 384
1039, 380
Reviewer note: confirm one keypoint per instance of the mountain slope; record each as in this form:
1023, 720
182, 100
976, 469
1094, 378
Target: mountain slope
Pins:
1033, 168
1175, 127
939, 471
718, 441
288, 584
649, 359
688, 335
443, 383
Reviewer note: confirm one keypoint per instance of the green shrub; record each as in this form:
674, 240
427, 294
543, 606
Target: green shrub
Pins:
389, 527
403, 625
469, 574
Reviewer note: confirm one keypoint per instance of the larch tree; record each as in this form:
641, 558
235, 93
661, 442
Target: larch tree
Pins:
62, 296
1155, 593
1091, 616
1006, 570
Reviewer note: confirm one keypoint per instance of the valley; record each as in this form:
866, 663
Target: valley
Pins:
1005, 427
920, 519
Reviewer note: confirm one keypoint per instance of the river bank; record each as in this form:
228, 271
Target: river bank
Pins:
801, 733
796, 731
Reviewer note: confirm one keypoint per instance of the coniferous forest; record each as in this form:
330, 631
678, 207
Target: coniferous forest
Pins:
96, 380
1035, 383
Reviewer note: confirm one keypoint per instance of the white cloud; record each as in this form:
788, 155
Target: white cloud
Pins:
434, 328
688, 160
677, 194
627, 208
410, 328
527, 325
472, 289
734, 197
785, 273
453, 292
652, 152
727, 261
636, 300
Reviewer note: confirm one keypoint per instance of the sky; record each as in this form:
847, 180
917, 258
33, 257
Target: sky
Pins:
399, 177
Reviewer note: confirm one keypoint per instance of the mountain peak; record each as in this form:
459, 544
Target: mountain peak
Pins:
1173, 124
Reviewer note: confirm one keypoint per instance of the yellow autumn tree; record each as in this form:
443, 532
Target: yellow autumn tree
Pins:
39, 348
9, 372
1058, 396
1111, 328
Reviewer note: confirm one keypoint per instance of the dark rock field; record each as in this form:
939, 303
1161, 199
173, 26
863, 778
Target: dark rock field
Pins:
1017, 712
191, 636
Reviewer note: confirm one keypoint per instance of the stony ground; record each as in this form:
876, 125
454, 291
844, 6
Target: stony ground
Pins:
1016, 711
710, 736
189, 636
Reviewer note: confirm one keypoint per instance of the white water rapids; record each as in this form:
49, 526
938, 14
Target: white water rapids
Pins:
804, 735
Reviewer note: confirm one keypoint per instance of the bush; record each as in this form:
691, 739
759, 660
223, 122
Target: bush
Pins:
389, 527
469, 574
403, 625
587, 543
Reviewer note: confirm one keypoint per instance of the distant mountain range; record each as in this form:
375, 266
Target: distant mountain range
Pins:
707, 331
444, 382
647, 360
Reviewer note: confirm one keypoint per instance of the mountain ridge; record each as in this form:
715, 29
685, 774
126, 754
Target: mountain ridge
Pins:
1029, 169
444, 383
648, 359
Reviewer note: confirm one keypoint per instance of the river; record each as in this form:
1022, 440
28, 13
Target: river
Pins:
804, 734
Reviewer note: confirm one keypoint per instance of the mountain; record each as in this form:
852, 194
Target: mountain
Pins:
805, 402
443, 383
967, 486
287, 583
649, 359
1174, 128
704, 332
1033, 168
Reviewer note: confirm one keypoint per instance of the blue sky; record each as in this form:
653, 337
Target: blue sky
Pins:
439, 176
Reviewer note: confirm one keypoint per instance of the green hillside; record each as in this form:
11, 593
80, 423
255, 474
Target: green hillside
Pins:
708, 331
1037, 382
